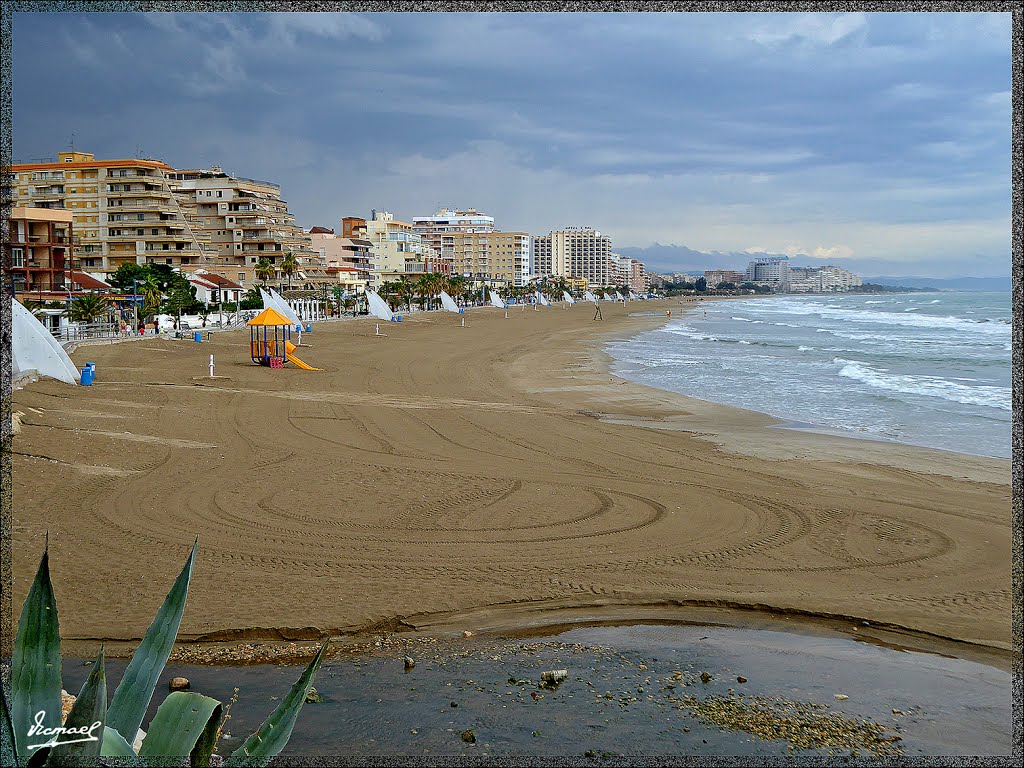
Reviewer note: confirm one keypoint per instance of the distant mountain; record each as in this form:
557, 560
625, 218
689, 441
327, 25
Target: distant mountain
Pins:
666, 259
946, 284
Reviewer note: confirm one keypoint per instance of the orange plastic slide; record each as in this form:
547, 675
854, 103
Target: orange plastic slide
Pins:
289, 348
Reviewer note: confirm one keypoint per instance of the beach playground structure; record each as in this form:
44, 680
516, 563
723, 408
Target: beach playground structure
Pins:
270, 343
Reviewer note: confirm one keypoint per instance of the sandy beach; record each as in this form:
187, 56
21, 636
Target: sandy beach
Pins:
477, 472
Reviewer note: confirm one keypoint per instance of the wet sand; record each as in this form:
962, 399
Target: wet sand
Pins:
457, 474
629, 690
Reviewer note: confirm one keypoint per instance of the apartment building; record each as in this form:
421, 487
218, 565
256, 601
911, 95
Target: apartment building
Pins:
122, 210
346, 259
245, 220
574, 252
395, 249
448, 222
714, 277
822, 279
495, 258
770, 270
40, 245
639, 280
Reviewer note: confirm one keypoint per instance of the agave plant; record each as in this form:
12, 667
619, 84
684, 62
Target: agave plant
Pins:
185, 726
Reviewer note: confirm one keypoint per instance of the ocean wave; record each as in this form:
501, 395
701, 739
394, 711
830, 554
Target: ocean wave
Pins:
911, 309
689, 333
928, 386
872, 316
802, 348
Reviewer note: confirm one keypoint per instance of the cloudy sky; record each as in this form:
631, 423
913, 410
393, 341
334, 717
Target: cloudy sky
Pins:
877, 141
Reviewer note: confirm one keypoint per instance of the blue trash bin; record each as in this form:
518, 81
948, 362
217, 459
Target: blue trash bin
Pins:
198, 336
309, 327
87, 376
92, 367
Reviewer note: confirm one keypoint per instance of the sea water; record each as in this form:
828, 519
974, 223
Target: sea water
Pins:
930, 369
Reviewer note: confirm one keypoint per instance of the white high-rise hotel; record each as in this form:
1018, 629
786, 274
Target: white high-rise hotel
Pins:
574, 252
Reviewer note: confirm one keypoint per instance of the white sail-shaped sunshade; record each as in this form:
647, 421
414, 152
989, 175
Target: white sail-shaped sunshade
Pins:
543, 299
379, 307
272, 301
449, 303
497, 301
33, 348
589, 296
567, 297
632, 296
282, 306
619, 296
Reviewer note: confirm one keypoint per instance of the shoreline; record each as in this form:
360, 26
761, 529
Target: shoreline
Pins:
734, 428
478, 476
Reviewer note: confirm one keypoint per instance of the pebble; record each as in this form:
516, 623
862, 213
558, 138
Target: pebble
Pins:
467, 633
179, 684
468, 736
841, 697
410, 662
313, 696
741, 679
705, 678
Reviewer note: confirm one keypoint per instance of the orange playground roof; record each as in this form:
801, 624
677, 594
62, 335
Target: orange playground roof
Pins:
270, 316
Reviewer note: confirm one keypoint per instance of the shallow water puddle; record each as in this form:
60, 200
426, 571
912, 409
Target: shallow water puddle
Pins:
650, 690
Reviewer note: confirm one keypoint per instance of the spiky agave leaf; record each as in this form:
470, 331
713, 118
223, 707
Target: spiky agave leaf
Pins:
179, 723
89, 709
273, 735
132, 697
35, 665
114, 745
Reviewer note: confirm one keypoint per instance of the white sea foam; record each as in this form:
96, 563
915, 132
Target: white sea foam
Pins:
802, 348
853, 315
911, 309
929, 386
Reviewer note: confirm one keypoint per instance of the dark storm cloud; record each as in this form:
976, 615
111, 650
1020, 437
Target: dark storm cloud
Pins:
872, 136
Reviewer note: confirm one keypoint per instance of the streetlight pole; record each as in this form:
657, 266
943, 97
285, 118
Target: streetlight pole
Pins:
135, 307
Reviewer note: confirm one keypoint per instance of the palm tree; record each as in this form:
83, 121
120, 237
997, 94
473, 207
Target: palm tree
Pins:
456, 286
264, 270
86, 309
33, 306
404, 290
152, 295
289, 266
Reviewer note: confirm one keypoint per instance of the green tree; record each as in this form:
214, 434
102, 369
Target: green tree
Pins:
264, 271
251, 300
127, 272
289, 266
87, 309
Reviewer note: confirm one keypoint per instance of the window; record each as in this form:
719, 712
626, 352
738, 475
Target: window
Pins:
141, 216
17, 257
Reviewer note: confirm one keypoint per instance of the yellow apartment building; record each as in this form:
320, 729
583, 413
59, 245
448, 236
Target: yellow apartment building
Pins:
492, 257
123, 210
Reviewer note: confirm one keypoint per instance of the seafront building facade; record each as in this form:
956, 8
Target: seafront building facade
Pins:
582, 252
396, 251
124, 211
715, 277
244, 219
40, 243
492, 258
433, 230
769, 270
822, 279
